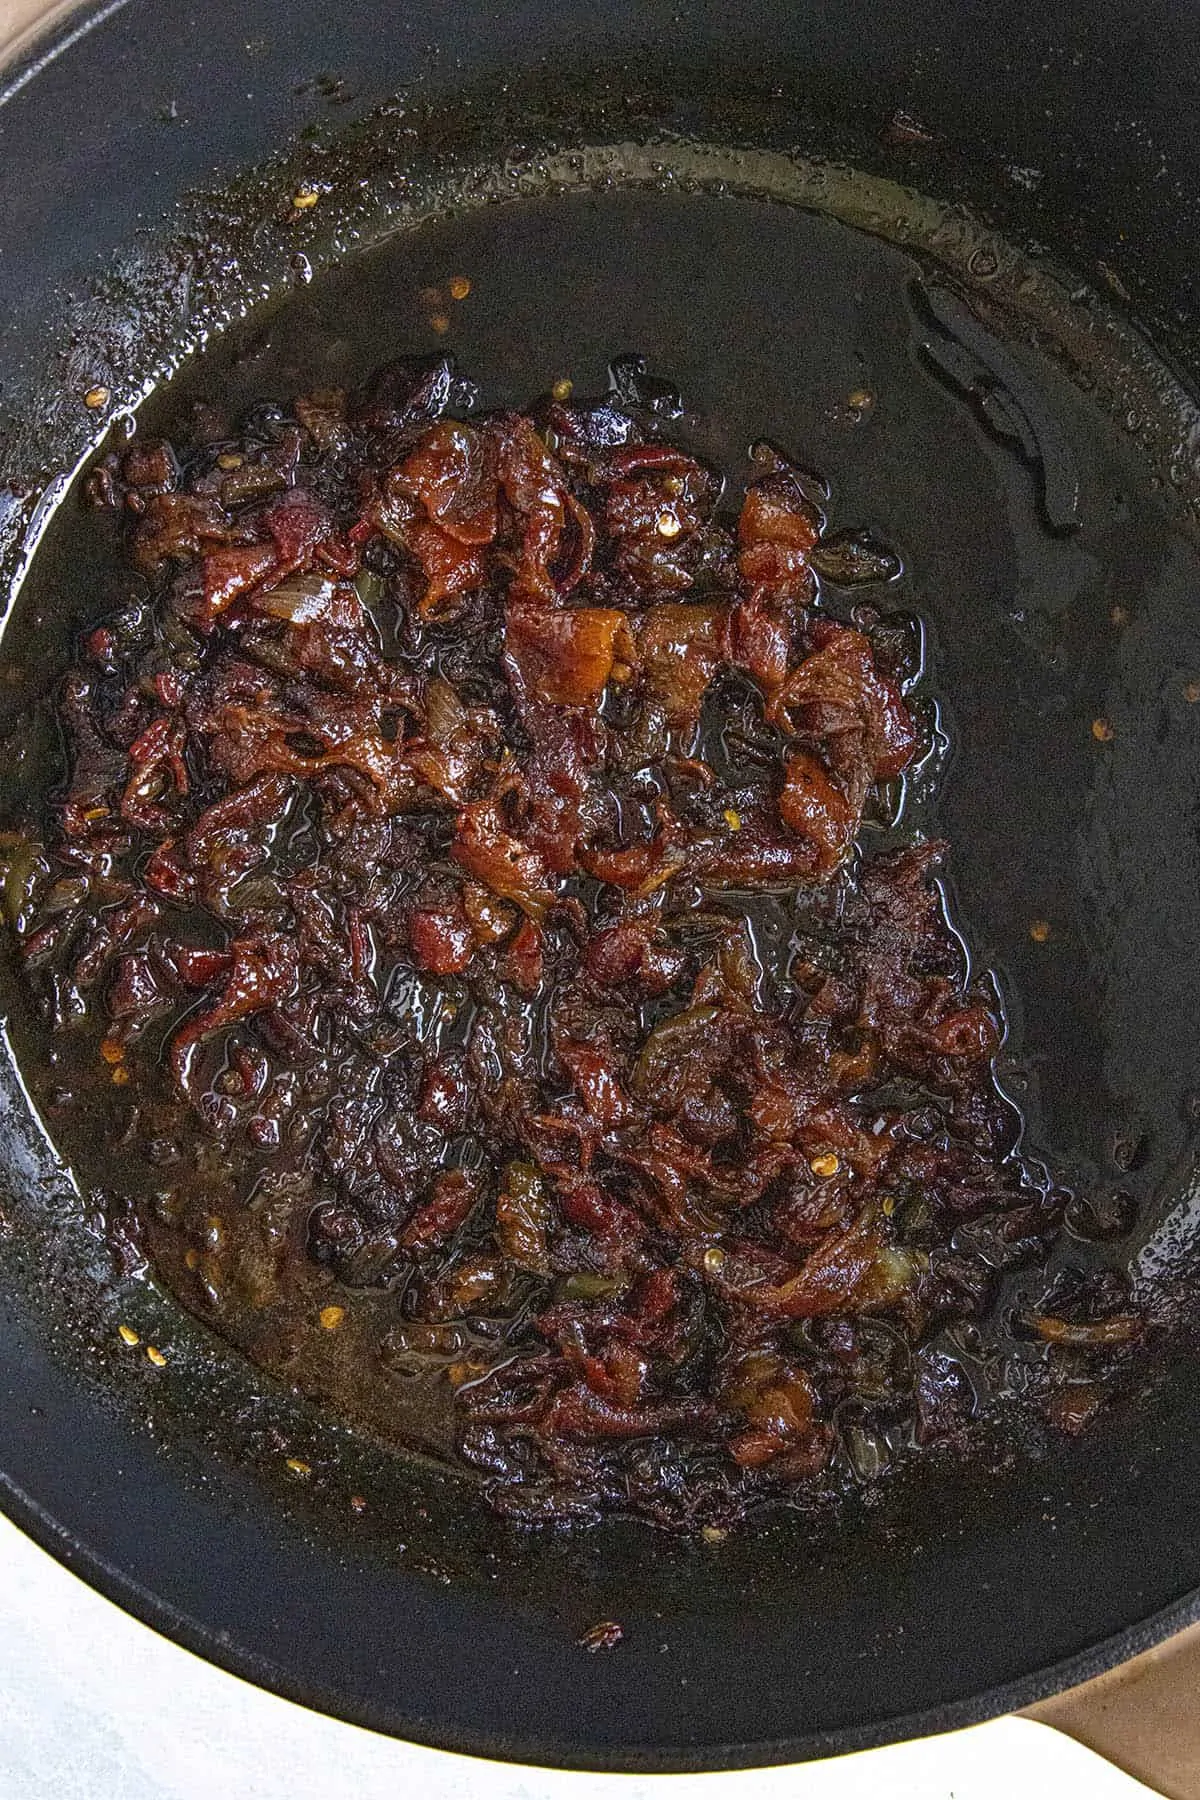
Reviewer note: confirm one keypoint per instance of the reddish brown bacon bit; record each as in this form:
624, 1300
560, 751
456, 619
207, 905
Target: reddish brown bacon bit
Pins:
431, 812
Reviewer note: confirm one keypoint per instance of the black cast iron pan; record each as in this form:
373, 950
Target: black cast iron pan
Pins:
776, 204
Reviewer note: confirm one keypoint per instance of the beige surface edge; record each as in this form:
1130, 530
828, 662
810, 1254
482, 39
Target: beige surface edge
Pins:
1145, 1716
18, 18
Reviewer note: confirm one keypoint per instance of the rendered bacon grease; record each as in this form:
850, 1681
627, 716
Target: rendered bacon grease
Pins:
480, 848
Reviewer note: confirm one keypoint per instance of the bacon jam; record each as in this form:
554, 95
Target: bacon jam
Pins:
480, 879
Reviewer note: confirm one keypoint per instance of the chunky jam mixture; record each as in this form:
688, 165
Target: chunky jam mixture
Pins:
479, 875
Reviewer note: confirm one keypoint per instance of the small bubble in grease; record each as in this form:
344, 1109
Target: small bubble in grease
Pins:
301, 268
1129, 1150
1039, 931
983, 264
460, 287
1119, 615
440, 323
604, 1636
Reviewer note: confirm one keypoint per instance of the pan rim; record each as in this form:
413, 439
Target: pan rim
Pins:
46, 37
216, 1648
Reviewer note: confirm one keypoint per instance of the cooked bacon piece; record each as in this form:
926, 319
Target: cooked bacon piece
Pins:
679, 650
837, 694
500, 861
260, 972
562, 657
815, 808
